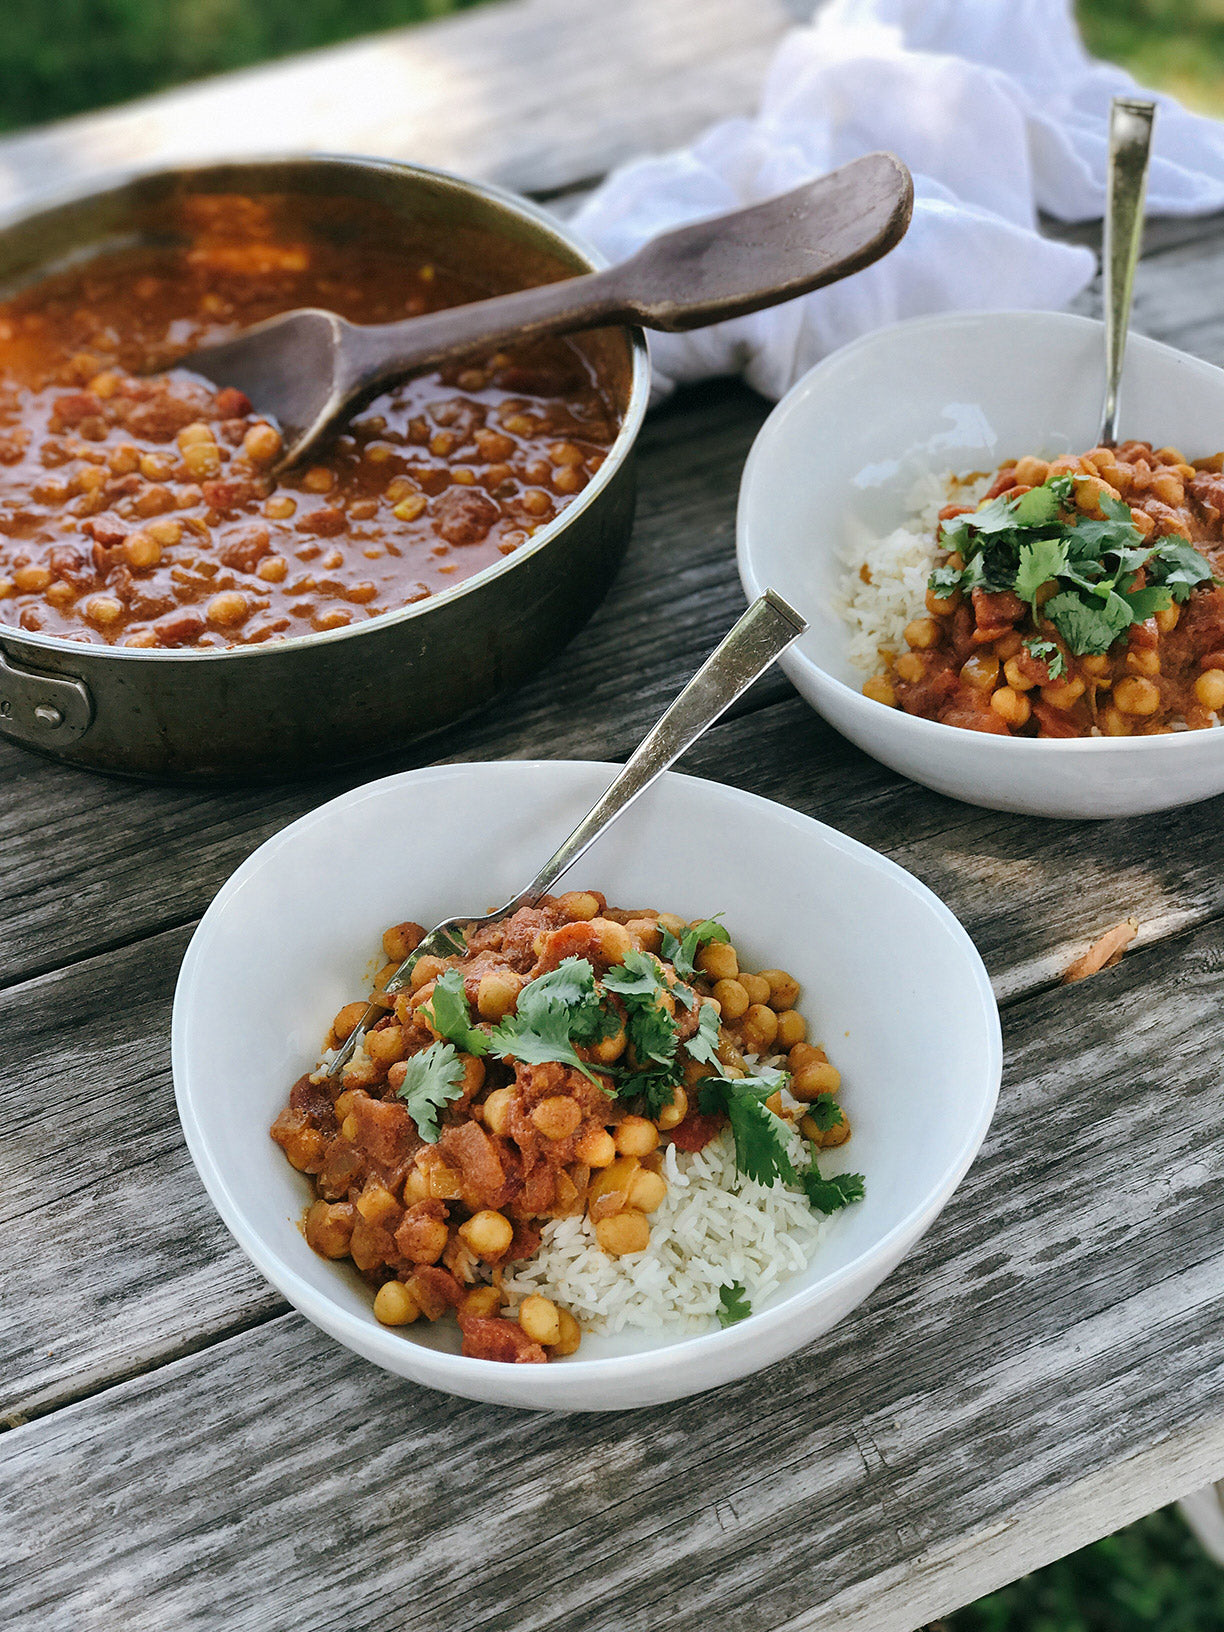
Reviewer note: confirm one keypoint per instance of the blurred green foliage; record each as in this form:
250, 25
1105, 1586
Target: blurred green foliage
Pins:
1175, 45
1151, 1577
64, 56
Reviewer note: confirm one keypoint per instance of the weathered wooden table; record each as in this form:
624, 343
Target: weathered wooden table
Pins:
184, 1452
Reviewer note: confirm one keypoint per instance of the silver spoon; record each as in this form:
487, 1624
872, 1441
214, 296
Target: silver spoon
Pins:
762, 634
1130, 147
309, 368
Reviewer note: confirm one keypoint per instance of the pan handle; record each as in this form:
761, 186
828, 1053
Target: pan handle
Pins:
42, 710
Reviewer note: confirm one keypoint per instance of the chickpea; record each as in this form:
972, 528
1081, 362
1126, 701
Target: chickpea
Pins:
792, 1029
497, 1110
609, 1049
386, 1045
804, 1054
731, 998
942, 605
329, 1228
195, 434
482, 1302
1166, 620
596, 1148
1209, 689
540, 1319
635, 1136
203, 460
395, 1304
623, 1233
758, 1029
673, 925
557, 1117
672, 1115
647, 932
376, 1203
347, 1021
103, 609
410, 508
1064, 693
647, 1190
1016, 677
814, 1079
1012, 706
280, 507
1097, 666
228, 609
426, 969
825, 1138
783, 988
580, 905
1114, 723
488, 1234
909, 666
1136, 695
401, 941
921, 634
1143, 660
1168, 488
262, 443
1031, 472
756, 986
141, 551
881, 690
718, 960
571, 1334
497, 993
318, 479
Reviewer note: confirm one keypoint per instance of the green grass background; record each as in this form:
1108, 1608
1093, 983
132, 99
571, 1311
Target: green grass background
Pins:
60, 57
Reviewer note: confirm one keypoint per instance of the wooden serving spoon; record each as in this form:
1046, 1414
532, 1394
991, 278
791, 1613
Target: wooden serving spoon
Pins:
309, 368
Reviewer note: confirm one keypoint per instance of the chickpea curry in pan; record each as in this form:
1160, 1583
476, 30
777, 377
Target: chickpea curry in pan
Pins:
138, 508
539, 1074
1080, 598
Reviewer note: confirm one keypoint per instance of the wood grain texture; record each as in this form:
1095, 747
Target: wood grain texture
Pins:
1049, 1349
466, 93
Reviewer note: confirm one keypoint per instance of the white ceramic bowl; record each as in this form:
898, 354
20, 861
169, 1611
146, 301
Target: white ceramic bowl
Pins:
961, 392
891, 982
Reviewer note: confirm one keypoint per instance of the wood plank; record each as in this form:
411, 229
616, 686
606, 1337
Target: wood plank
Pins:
1032, 895
1025, 1382
536, 94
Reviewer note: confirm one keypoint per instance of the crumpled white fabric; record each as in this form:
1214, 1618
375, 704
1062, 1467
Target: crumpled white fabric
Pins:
998, 110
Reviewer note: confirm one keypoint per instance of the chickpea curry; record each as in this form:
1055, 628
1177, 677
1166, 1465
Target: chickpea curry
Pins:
538, 1074
138, 508
1080, 598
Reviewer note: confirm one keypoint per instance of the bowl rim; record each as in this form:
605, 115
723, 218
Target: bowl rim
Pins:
797, 659
116, 180
434, 1367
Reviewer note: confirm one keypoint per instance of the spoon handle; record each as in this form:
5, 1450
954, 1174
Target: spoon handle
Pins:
706, 272
1130, 146
761, 635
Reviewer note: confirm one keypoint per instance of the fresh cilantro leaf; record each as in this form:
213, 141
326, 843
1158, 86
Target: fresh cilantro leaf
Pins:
733, 1304
638, 976
656, 1088
825, 1112
1040, 505
448, 1013
761, 1138
945, 581
1145, 603
703, 1044
434, 1077
830, 1195
1179, 566
1045, 651
1086, 629
682, 953
550, 1010
1040, 561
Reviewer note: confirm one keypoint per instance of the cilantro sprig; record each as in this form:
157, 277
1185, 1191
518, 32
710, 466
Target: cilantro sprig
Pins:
733, 1304
450, 1016
761, 1139
832, 1194
682, 953
434, 1077
1027, 544
651, 1032
556, 1012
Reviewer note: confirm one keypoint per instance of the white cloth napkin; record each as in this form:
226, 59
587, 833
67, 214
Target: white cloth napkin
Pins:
998, 110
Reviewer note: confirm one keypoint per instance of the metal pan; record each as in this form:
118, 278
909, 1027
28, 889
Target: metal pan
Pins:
307, 704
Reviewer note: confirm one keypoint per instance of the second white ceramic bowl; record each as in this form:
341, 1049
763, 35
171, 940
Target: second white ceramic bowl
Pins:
840, 454
892, 984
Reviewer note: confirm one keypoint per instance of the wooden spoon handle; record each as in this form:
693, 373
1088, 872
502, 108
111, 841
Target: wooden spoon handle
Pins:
715, 269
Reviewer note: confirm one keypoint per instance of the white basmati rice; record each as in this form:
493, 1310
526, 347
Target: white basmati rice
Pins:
884, 586
713, 1227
